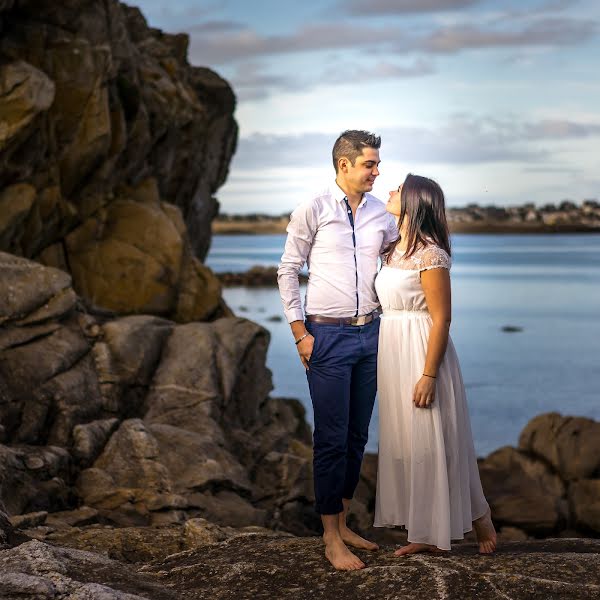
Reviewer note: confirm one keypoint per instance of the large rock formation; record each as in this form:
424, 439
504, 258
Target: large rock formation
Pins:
111, 150
142, 419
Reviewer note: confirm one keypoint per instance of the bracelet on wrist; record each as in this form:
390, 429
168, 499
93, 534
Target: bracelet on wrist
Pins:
432, 376
300, 338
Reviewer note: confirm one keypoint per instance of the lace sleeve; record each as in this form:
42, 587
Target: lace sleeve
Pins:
433, 257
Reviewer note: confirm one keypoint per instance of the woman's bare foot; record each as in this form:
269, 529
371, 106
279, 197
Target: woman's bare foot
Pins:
486, 534
339, 556
353, 539
413, 548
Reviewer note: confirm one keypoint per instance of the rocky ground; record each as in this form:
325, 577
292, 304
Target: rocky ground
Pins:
141, 454
253, 565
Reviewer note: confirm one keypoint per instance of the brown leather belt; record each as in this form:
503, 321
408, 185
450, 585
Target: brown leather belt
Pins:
362, 320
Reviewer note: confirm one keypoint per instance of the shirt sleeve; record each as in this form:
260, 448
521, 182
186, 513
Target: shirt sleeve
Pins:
301, 232
434, 258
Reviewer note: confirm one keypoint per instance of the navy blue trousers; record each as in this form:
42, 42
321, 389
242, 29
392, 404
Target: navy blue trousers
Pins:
342, 379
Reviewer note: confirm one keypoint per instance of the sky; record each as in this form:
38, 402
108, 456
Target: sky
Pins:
497, 101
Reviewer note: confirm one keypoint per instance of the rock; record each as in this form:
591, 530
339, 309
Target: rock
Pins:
125, 544
127, 259
26, 286
230, 387
24, 93
570, 444
20, 585
145, 544
511, 328
511, 534
296, 568
194, 462
228, 508
15, 203
126, 357
127, 472
199, 294
95, 103
257, 276
246, 564
84, 515
584, 499
523, 492
37, 570
131, 348
28, 520
200, 532
89, 439
34, 478
6, 529
135, 257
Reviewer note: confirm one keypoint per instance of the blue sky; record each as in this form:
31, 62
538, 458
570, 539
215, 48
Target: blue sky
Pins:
497, 101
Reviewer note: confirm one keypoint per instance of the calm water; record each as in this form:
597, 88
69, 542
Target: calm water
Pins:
547, 284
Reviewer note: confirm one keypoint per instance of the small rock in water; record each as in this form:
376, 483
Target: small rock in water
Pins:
275, 319
243, 308
511, 328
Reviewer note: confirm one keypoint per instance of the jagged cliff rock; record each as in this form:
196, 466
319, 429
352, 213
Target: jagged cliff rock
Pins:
111, 150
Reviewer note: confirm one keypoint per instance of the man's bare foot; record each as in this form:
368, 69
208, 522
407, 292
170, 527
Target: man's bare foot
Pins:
353, 539
486, 534
339, 556
413, 548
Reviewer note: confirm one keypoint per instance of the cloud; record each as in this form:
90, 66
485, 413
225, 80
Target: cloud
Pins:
222, 46
546, 32
345, 73
461, 140
390, 7
252, 80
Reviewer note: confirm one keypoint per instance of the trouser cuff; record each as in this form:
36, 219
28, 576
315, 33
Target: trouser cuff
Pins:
330, 508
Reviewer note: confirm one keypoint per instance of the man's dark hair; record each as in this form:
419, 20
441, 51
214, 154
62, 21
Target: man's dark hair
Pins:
351, 143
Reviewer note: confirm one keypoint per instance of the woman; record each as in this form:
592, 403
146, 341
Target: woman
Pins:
428, 479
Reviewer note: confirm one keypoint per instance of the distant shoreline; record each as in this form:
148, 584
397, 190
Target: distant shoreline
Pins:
567, 217
475, 228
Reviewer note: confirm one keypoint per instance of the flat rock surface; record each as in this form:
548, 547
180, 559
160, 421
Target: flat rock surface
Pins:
256, 566
295, 568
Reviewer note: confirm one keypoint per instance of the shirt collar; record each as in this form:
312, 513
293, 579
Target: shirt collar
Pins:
339, 194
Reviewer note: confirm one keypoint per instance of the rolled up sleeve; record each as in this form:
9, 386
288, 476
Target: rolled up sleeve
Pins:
300, 234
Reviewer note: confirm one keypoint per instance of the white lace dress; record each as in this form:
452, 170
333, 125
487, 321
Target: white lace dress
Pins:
427, 479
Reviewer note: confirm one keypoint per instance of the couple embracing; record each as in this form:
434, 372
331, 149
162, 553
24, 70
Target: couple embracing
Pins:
363, 331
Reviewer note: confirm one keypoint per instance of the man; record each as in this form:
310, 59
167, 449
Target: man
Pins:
340, 235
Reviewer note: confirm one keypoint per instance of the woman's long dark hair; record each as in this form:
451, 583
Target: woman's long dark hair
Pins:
423, 206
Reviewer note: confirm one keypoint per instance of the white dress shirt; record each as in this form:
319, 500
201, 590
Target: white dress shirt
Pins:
341, 277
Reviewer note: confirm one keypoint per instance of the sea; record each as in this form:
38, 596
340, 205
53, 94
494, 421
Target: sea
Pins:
544, 287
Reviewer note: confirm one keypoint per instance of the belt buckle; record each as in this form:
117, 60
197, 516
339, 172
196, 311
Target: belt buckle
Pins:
359, 320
